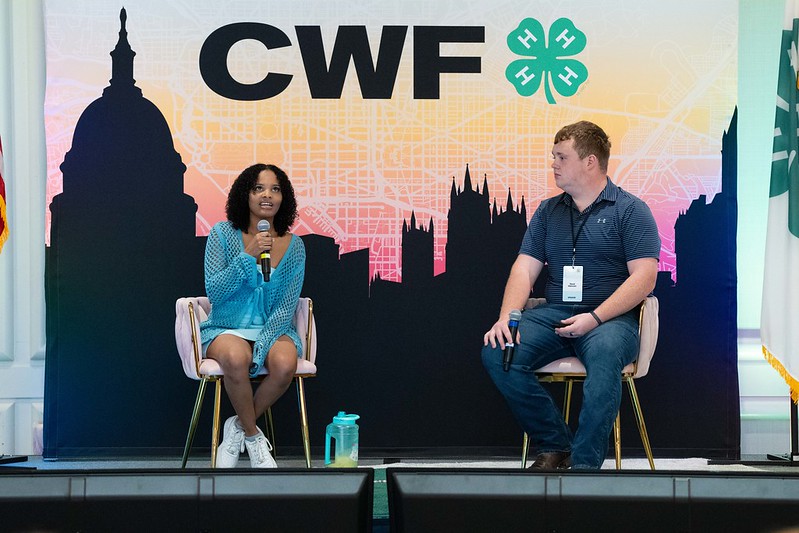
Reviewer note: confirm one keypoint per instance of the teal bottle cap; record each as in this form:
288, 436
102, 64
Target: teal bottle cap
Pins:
345, 419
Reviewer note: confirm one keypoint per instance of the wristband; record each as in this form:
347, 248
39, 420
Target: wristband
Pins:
598, 321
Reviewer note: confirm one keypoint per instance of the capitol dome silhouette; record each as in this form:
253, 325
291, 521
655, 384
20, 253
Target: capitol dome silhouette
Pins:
123, 248
124, 132
105, 130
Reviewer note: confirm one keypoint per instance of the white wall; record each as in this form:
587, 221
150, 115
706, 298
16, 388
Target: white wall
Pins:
22, 82
765, 426
758, 59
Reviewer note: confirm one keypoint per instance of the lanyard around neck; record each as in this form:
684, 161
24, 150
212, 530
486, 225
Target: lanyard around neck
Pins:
580, 230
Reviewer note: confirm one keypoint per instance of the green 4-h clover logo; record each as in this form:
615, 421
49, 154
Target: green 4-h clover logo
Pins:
545, 64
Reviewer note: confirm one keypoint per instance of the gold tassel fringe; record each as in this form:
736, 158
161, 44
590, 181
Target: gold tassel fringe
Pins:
5, 232
792, 382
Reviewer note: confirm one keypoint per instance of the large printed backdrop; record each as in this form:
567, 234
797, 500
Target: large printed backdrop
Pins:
401, 162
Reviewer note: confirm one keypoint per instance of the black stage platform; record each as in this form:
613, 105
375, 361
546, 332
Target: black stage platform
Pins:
642, 501
419, 499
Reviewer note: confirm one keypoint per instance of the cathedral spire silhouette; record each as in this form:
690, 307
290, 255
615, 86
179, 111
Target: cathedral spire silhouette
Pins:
417, 253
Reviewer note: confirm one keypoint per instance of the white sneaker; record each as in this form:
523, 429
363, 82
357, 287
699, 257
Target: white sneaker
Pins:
258, 450
227, 455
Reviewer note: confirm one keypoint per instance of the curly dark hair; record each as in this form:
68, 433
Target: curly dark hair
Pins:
238, 199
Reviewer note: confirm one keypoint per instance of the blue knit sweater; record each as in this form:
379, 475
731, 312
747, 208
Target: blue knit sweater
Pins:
235, 286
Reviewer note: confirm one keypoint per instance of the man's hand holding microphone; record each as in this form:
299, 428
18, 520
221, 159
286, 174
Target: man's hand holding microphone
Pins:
507, 333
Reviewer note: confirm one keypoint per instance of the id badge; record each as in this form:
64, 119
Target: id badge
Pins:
572, 283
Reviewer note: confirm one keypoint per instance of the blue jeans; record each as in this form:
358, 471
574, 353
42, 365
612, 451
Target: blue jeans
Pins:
605, 351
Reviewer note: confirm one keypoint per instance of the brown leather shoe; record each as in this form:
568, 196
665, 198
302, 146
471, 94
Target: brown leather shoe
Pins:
551, 461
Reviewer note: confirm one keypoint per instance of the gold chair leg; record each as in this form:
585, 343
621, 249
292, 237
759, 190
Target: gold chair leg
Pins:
525, 450
639, 418
215, 427
306, 439
270, 430
617, 440
567, 401
195, 416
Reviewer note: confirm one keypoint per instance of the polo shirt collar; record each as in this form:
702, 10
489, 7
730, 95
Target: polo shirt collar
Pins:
609, 193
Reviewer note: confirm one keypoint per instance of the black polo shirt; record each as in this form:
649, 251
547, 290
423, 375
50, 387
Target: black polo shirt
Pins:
618, 227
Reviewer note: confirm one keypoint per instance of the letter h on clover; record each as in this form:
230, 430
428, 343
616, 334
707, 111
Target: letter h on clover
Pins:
544, 63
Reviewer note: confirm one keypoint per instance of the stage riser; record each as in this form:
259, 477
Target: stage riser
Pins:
475, 501
285, 500
463, 500
486, 513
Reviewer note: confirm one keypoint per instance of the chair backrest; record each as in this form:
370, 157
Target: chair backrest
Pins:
534, 302
648, 327
190, 312
303, 315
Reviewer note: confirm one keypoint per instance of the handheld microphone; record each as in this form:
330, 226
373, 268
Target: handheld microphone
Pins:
266, 259
513, 324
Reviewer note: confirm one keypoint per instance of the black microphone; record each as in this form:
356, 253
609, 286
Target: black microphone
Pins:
513, 324
266, 259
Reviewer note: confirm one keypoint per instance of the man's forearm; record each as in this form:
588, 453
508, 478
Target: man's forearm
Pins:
522, 276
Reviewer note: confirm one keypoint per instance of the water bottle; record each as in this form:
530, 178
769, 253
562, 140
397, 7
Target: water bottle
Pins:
344, 431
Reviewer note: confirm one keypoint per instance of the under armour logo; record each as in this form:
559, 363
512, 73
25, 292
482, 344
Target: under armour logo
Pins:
601, 220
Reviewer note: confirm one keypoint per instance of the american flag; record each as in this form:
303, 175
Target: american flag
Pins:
3, 214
